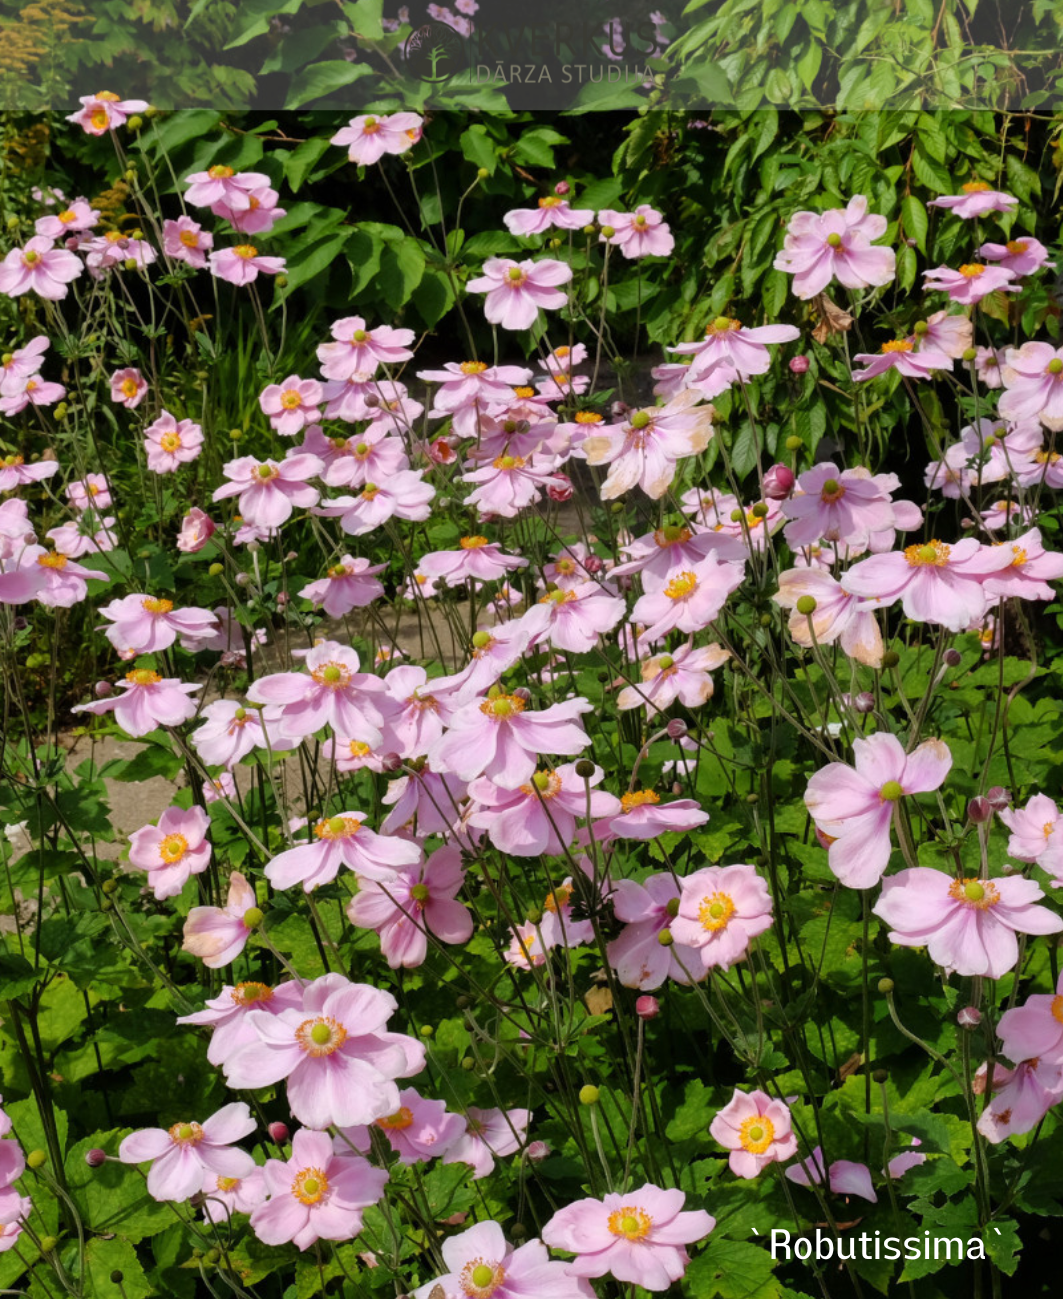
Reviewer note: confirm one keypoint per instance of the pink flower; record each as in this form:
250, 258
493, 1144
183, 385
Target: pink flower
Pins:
224, 1196
418, 900
172, 851
419, 1130
71, 220
1034, 1030
1034, 387
14, 1210
94, 490
359, 461
901, 355
40, 267
33, 392
227, 1014
516, 290
332, 692
637, 1237
405, 495
128, 388
1031, 569
427, 801
488, 1133
104, 111
642, 233
976, 200
647, 447
341, 840
184, 1154
552, 211
12, 1160
941, 332
317, 1194
348, 584
368, 139
682, 675
196, 530
186, 241
1020, 256
476, 559
735, 349
846, 506
844, 1177
495, 737
540, 816
637, 955
510, 484
643, 816
221, 184
360, 350
854, 807
335, 1051
720, 909
968, 926
242, 264
689, 602
144, 624
1036, 835
147, 700
222, 787
575, 619
269, 490
837, 616
56, 580
482, 1264
469, 388
217, 935
836, 245
23, 363
292, 404
1024, 1095
15, 473
423, 709
937, 584
971, 282
114, 249
988, 361
259, 216
756, 1130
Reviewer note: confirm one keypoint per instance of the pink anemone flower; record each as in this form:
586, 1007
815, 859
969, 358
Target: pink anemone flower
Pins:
221, 184
540, 816
642, 233
1020, 256
128, 388
727, 343
901, 355
552, 212
39, 267
941, 332
1028, 575
317, 1194
482, 1264
642, 815
1033, 381
15, 473
181, 1156
1036, 834
172, 851
516, 290
146, 700
229, 732
756, 1130
968, 926
419, 1130
646, 449
332, 692
340, 840
417, 901
404, 495
685, 674
291, 405
58, 581
369, 138
196, 530
242, 264
836, 615
349, 584
843, 1176
489, 1134
268, 490
720, 909
971, 282
144, 624
339, 1060
226, 1015
855, 806
1022, 1097
476, 559
836, 245
217, 935
847, 505
575, 619
689, 602
638, 1237
978, 199
1034, 1030
103, 111
224, 1196
936, 583
637, 955
357, 349
495, 737
186, 241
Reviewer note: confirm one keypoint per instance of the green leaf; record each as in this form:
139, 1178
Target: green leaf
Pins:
300, 162
732, 1269
930, 172
478, 147
535, 147
17, 977
311, 260
365, 18
256, 15
363, 254
107, 1258
434, 296
915, 221
401, 268
112, 1198
1023, 180
322, 79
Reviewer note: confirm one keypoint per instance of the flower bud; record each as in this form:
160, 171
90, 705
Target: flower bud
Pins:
48, 1243
969, 353
562, 490
36, 1159
252, 918
534, 916
278, 1132
109, 886
952, 658
676, 728
608, 232
979, 811
885, 986
536, 1152
890, 659
647, 1007
969, 1017
665, 938
794, 443
593, 564
588, 230
243, 579
562, 188
799, 364
998, 798
102, 689
135, 123
117, 1276
95, 1158
555, 244
585, 769
216, 570
281, 281
589, 1095
806, 605
864, 702
523, 694
61, 411
778, 483
482, 173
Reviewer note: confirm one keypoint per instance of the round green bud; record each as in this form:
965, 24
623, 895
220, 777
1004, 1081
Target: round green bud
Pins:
117, 1276
589, 1095
969, 353
427, 1030
235, 434
806, 604
880, 1076
252, 917
885, 986
61, 411
12, 222
608, 231
920, 327
736, 516
765, 619
110, 886
106, 904
1055, 366
135, 122
759, 510
216, 570
281, 281
794, 443
48, 1243
468, 1064
665, 938
36, 1159
890, 659
130, 263
588, 230
212, 1257
482, 173
584, 768
555, 244
481, 639
534, 916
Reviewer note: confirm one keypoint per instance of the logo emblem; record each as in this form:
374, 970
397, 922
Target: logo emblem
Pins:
434, 52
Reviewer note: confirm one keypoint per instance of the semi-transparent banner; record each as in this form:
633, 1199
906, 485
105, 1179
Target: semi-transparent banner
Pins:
535, 54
